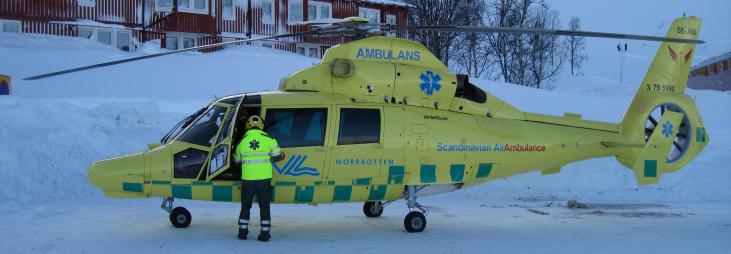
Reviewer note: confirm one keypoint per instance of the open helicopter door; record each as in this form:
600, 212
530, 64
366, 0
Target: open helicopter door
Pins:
220, 163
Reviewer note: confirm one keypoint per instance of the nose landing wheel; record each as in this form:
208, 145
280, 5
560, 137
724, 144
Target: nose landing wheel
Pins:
179, 217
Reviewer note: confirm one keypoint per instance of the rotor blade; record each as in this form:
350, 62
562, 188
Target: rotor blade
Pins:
132, 59
488, 29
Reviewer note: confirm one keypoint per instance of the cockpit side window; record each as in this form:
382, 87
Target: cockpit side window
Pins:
204, 130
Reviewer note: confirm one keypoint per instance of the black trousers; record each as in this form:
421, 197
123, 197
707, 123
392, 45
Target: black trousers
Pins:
263, 191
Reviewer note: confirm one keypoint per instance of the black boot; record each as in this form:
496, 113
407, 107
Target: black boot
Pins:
264, 236
243, 233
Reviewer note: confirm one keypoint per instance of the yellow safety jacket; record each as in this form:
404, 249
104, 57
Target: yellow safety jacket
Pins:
255, 152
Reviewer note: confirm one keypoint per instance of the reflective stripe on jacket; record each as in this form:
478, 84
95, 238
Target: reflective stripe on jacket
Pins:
255, 152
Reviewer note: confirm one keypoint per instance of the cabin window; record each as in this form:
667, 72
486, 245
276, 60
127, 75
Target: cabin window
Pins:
171, 43
188, 163
104, 36
228, 9
267, 12
297, 127
373, 15
123, 41
84, 32
205, 128
359, 126
87, 2
188, 43
469, 91
318, 10
294, 12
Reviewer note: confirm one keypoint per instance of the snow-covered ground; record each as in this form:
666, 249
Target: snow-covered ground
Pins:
51, 130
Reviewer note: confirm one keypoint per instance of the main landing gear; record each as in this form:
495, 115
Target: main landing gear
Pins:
179, 216
415, 220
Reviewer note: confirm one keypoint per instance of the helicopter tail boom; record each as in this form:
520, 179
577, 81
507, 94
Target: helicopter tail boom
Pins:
661, 116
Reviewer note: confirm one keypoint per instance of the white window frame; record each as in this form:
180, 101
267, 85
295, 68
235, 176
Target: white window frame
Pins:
112, 36
177, 42
3, 22
318, 8
195, 41
395, 21
86, 2
191, 7
232, 15
129, 43
273, 11
289, 12
363, 12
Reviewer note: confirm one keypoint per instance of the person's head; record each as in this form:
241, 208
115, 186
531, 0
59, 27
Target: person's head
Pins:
255, 122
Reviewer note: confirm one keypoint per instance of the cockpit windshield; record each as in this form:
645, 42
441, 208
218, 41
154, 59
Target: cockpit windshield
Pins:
180, 126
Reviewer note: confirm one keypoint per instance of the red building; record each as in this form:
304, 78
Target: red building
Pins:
125, 24
712, 74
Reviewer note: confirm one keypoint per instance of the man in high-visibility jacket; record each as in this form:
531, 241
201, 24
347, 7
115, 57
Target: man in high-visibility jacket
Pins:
256, 153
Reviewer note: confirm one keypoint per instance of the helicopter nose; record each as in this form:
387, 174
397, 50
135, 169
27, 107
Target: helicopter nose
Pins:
119, 177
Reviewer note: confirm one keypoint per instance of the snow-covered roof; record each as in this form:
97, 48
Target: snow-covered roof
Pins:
389, 2
712, 60
91, 23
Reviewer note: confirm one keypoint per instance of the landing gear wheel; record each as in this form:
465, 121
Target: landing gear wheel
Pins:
180, 217
373, 209
415, 222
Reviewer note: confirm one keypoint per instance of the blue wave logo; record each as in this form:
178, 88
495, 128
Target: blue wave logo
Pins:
294, 167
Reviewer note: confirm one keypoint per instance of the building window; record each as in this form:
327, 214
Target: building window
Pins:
171, 43
164, 4
294, 12
301, 50
84, 32
314, 53
10, 26
87, 2
267, 12
297, 127
318, 10
228, 9
391, 19
199, 6
188, 43
359, 126
373, 15
123, 41
104, 36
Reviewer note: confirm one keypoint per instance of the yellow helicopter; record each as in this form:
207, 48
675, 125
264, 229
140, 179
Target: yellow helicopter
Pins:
382, 119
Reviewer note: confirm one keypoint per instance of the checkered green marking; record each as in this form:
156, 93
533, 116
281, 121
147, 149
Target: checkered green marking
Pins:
285, 183
222, 193
182, 191
650, 168
161, 182
132, 187
362, 181
304, 196
378, 192
201, 183
483, 170
342, 193
395, 174
700, 134
456, 171
428, 173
